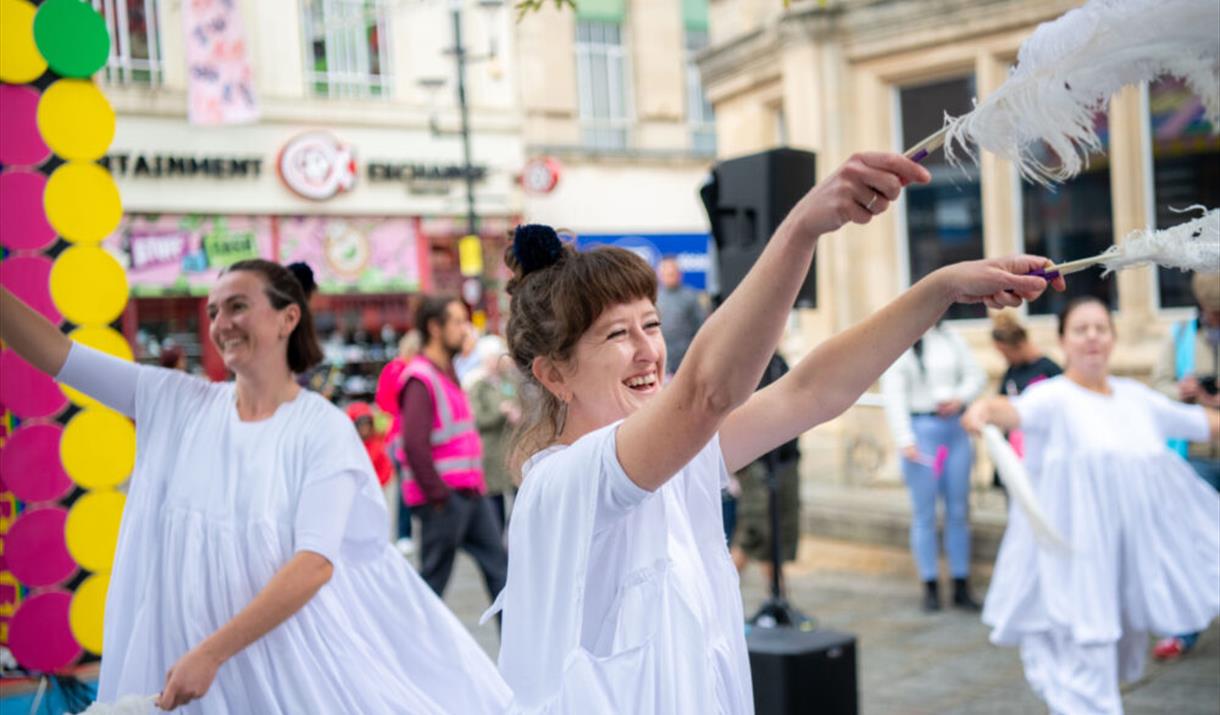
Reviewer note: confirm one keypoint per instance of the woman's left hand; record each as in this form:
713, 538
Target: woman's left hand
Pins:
997, 282
189, 679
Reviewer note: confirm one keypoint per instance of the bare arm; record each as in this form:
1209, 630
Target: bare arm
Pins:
31, 335
721, 369
286, 593
832, 377
998, 411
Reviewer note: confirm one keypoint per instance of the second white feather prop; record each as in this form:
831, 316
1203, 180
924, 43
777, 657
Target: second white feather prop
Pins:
1190, 246
126, 705
1016, 480
1068, 69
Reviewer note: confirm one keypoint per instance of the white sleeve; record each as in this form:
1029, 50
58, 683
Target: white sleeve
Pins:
103, 377
971, 378
897, 411
322, 514
1177, 420
1036, 406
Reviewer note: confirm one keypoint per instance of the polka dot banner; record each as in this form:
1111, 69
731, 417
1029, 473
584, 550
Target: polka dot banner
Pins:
20, 142
82, 202
35, 549
72, 37
25, 226
76, 120
98, 449
88, 286
20, 60
27, 392
100, 338
93, 529
40, 634
31, 464
29, 278
88, 611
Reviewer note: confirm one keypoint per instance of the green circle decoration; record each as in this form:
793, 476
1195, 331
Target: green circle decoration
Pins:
72, 36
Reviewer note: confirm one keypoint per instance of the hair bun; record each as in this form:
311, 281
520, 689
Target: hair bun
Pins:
304, 276
536, 246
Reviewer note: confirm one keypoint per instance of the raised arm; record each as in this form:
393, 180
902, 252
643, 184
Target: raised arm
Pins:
727, 357
998, 411
833, 376
32, 336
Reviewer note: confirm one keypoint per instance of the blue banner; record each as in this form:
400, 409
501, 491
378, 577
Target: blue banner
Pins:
691, 250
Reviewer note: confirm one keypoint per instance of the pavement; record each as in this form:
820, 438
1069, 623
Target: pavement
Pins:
910, 662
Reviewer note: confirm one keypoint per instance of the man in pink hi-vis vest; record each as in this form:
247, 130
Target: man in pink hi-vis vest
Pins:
444, 455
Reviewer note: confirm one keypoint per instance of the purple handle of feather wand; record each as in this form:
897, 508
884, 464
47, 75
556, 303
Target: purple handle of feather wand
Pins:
1044, 274
920, 155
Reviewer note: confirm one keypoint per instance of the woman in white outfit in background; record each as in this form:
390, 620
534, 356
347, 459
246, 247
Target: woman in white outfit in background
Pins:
621, 596
252, 573
1143, 532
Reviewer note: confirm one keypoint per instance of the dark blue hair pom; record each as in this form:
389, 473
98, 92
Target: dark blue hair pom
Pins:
536, 246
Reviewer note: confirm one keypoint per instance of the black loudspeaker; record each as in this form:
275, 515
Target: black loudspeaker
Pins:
746, 200
803, 672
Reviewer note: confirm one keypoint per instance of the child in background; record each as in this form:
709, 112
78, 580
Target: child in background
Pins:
374, 443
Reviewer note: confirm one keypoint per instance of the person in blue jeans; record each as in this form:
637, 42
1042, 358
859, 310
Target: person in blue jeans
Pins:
925, 392
1186, 370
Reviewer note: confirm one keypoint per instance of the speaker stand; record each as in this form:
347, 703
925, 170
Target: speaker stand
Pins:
776, 612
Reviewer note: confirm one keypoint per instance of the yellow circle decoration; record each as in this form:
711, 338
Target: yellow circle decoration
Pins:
75, 120
98, 448
20, 60
86, 613
88, 285
92, 530
82, 202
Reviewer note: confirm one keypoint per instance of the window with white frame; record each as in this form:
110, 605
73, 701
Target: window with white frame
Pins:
601, 76
135, 45
347, 47
698, 110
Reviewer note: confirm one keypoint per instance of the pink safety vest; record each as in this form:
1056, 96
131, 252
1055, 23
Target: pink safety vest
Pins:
457, 451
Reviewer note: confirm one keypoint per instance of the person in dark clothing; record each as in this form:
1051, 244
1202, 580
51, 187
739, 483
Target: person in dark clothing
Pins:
444, 455
1026, 366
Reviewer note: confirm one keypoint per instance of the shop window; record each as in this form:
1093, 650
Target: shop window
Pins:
347, 47
698, 110
602, 85
135, 45
1185, 170
944, 218
1072, 220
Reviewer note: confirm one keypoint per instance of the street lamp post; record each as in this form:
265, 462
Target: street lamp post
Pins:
459, 53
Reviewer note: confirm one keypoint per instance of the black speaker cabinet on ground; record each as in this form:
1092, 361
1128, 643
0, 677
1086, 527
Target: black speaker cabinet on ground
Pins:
746, 199
802, 672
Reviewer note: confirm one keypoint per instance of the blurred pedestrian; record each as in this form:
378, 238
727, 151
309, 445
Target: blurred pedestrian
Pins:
1026, 366
1142, 531
492, 388
925, 392
1186, 371
445, 455
389, 399
361, 415
172, 357
682, 312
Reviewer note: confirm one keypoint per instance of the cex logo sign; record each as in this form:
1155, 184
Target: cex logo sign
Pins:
317, 166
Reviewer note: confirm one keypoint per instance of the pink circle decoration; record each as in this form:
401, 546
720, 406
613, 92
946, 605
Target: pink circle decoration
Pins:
40, 634
31, 465
25, 226
20, 142
36, 550
29, 278
27, 392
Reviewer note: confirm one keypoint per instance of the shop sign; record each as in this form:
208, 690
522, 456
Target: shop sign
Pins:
421, 177
317, 166
224, 248
158, 248
168, 166
540, 176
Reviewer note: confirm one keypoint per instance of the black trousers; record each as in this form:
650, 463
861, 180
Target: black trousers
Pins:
467, 522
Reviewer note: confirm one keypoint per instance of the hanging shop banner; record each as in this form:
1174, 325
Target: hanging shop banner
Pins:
220, 85
349, 254
691, 250
175, 254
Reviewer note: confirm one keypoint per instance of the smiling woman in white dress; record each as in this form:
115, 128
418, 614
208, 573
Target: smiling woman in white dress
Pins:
1143, 531
252, 550
621, 596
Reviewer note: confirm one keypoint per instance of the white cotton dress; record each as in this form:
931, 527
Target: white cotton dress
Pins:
1143, 529
621, 600
215, 507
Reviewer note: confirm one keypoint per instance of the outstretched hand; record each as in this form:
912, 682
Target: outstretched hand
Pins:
189, 679
860, 189
998, 282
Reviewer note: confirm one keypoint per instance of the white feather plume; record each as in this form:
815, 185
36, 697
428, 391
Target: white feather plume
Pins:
1016, 480
1190, 246
126, 705
1068, 69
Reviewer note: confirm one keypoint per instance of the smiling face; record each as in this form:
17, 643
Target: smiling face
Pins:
1088, 340
247, 330
616, 366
